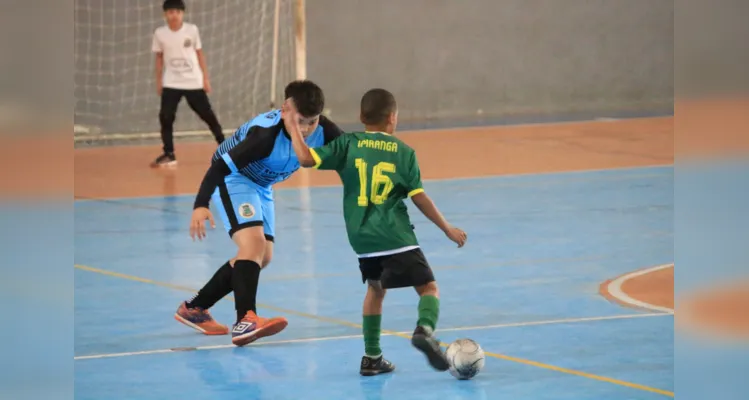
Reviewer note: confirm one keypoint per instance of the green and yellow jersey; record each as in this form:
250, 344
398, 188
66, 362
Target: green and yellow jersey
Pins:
378, 172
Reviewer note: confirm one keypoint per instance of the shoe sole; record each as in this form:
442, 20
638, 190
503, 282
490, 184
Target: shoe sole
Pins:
268, 330
197, 328
373, 372
436, 359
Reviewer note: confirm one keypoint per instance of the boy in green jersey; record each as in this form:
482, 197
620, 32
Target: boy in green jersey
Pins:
378, 172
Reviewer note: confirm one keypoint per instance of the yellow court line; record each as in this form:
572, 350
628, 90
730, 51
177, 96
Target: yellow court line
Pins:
191, 290
389, 332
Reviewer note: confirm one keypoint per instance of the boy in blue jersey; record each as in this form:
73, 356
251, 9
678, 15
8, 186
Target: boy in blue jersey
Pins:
240, 180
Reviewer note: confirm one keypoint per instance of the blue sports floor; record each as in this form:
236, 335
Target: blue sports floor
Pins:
525, 287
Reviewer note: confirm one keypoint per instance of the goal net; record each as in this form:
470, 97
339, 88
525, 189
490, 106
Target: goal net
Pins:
115, 85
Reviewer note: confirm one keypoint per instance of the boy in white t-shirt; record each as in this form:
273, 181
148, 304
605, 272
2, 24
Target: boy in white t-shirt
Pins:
180, 71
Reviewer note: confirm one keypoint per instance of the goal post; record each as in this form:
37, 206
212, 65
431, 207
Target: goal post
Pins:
249, 46
274, 59
300, 36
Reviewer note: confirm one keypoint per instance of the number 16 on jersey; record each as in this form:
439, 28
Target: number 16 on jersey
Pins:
380, 185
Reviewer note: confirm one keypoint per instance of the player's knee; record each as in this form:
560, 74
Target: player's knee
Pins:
268, 254
430, 289
244, 254
266, 260
251, 244
166, 118
375, 290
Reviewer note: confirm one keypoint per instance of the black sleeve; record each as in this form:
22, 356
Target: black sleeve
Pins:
330, 129
257, 145
212, 178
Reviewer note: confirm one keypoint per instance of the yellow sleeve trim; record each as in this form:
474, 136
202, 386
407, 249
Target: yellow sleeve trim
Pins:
415, 192
318, 160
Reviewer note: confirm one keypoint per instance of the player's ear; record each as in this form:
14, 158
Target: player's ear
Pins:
361, 118
285, 106
393, 118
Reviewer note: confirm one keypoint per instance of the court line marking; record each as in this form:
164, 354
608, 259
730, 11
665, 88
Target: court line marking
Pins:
614, 289
399, 334
220, 346
342, 337
192, 290
84, 199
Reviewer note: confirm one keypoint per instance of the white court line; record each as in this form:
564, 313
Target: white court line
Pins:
615, 289
220, 346
320, 339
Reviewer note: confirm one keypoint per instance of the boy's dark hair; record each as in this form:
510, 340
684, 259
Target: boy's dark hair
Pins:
307, 96
174, 4
376, 107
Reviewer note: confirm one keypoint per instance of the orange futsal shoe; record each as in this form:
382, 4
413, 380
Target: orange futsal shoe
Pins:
252, 328
200, 320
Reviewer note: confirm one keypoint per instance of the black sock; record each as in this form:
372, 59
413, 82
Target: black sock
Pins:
219, 286
244, 281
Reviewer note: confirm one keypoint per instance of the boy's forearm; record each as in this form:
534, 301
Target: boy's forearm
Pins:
429, 209
301, 149
203, 64
159, 67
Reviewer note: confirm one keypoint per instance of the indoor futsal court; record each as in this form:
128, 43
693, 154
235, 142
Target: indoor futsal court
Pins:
556, 215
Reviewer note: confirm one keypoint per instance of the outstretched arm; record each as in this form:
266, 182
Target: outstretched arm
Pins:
330, 156
426, 205
429, 209
303, 153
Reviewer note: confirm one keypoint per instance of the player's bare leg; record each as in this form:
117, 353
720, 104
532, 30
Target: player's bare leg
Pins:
373, 363
252, 246
423, 336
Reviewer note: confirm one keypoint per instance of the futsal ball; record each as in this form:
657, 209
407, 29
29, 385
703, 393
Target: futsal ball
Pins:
466, 358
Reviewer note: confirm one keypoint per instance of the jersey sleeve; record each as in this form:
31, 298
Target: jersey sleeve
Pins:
212, 178
257, 145
156, 44
198, 42
332, 155
413, 176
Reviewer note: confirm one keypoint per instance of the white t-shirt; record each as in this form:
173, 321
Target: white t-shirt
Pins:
181, 67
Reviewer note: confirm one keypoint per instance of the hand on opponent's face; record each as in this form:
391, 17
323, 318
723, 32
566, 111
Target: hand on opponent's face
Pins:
295, 120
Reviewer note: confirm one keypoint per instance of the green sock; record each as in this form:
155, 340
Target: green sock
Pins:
371, 330
429, 311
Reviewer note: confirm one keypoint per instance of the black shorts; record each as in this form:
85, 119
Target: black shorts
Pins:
400, 270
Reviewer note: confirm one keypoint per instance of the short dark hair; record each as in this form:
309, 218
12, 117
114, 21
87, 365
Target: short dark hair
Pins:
307, 96
174, 4
376, 106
